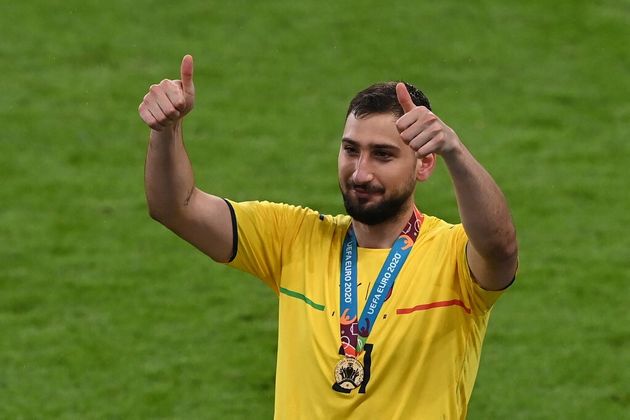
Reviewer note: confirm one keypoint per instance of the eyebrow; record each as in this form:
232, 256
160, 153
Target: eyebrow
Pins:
378, 146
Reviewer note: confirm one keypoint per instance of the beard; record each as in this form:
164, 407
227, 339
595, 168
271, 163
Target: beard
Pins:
376, 213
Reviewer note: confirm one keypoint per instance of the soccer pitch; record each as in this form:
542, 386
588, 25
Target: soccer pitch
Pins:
106, 314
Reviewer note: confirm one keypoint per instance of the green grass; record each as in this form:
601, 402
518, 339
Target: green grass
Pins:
105, 314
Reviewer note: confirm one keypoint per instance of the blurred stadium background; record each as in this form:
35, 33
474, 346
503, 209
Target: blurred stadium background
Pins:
105, 314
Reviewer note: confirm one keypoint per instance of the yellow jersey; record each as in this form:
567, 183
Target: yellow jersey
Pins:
422, 355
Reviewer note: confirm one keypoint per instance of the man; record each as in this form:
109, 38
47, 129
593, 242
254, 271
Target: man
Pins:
382, 313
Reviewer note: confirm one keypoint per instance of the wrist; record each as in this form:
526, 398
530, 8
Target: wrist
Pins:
168, 133
455, 153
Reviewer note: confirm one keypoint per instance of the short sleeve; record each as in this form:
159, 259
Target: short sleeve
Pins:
263, 230
481, 300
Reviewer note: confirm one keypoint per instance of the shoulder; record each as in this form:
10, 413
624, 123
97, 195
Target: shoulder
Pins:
444, 240
286, 214
436, 228
444, 244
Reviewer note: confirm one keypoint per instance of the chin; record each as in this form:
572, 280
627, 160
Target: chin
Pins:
373, 213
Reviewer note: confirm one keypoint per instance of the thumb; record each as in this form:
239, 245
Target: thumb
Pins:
404, 99
187, 75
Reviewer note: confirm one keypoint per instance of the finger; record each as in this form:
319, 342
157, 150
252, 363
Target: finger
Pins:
421, 140
186, 72
414, 123
165, 104
174, 93
146, 115
151, 106
434, 142
404, 99
424, 131
157, 114
426, 150
149, 119
406, 121
413, 130
419, 113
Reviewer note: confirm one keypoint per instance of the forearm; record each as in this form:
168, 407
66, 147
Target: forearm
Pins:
482, 206
169, 180
492, 249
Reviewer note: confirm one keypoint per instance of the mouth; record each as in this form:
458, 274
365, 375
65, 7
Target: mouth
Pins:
361, 193
365, 191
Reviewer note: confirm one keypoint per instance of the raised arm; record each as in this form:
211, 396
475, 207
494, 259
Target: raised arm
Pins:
492, 251
173, 200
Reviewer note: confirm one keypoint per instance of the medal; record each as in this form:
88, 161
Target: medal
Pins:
354, 328
349, 373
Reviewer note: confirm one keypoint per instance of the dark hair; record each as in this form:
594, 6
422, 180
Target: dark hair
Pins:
380, 98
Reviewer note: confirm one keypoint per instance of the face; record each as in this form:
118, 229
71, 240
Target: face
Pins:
377, 171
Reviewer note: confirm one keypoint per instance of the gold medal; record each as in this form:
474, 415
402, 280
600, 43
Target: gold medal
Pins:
349, 373
354, 330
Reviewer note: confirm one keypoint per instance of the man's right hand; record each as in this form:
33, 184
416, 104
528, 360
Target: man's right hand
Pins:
169, 101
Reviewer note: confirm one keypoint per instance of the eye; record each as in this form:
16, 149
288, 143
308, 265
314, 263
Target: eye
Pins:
350, 150
382, 155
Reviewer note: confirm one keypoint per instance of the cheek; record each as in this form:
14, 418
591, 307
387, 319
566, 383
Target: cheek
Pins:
344, 167
340, 163
400, 178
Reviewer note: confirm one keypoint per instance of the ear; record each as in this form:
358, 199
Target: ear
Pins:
425, 166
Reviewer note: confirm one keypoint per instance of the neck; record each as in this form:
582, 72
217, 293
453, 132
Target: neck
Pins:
384, 234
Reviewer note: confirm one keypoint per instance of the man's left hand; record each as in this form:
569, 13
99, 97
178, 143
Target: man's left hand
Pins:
422, 130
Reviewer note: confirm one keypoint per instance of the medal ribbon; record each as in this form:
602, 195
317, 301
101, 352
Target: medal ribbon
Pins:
355, 331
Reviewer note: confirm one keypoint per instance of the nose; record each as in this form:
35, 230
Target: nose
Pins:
362, 172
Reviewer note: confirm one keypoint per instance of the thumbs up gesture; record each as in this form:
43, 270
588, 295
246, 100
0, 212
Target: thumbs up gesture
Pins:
169, 101
421, 129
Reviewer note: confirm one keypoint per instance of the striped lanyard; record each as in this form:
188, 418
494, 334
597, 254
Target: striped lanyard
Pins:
355, 331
